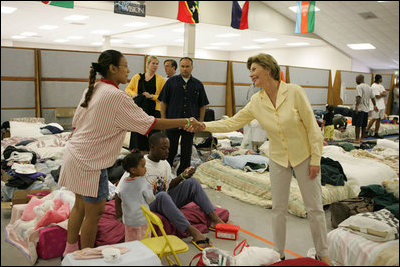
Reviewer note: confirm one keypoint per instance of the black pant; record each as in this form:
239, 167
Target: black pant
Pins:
186, 148
141, 142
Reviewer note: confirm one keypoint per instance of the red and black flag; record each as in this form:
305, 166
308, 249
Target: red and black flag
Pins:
188, 11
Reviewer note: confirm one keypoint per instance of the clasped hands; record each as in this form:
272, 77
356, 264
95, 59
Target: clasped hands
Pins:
195, 126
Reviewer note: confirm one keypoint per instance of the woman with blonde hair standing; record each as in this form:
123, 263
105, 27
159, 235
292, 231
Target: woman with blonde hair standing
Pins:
145, 89
285, 113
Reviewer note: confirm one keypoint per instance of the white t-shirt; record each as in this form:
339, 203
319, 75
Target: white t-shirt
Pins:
366, 93
378, 89
158, 174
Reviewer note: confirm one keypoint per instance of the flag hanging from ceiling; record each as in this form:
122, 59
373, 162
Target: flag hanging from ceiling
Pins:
305, 17
67, 4
188, 11
239, 15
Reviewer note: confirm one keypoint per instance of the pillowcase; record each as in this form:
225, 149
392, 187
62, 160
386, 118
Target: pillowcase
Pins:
28, 213
25, 129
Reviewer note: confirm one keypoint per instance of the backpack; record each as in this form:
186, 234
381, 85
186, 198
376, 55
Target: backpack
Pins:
343, 209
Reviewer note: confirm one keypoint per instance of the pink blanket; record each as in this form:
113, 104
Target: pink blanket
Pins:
110, 231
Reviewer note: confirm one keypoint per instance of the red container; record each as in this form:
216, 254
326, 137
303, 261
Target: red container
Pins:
226, 231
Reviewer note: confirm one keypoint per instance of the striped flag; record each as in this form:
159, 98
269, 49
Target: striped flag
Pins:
188, 11
305, 17
67, 4
239, 15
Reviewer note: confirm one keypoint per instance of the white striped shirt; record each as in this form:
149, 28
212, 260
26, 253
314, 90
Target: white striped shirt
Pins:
99, 133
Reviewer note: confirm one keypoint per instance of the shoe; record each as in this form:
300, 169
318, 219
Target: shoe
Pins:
283, 258
211, 228
377, 136
205, 241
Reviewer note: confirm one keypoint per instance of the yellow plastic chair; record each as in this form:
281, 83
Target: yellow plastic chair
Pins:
164, 245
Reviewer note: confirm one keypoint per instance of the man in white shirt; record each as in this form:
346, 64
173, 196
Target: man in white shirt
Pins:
377, 116
360, 115
170, 67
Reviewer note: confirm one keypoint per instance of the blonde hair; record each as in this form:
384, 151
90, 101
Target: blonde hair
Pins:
150, 58
267, 62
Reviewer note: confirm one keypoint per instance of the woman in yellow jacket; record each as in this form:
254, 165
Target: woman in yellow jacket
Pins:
145, 89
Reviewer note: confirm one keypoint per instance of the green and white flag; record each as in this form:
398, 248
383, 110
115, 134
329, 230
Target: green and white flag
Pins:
67, 4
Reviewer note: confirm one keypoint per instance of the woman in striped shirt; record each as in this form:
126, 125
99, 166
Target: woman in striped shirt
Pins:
100, 123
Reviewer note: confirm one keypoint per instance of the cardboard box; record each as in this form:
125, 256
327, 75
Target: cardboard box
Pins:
21, 196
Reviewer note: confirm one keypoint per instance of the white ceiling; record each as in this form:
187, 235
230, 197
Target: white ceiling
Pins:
338, 23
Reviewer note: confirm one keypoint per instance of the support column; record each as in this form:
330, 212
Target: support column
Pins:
189, 40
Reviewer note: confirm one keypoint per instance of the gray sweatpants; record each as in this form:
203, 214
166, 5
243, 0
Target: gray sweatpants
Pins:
168, 204
310, 191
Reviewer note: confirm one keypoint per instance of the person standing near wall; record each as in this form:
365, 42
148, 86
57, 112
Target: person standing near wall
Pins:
377, 116
284, 111
360, 115
145, 89
102, 118
170, 67
182, 95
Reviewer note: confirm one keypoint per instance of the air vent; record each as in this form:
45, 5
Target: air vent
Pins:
368, 15
78, 23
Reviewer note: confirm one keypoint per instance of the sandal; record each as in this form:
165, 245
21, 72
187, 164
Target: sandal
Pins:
211, 228
205, 241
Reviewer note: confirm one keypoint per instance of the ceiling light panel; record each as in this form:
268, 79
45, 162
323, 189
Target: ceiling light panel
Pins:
297, 44
18, 37
48, 27
60, 40
363, 46
7, 9
28, 33
251, 47
76, 17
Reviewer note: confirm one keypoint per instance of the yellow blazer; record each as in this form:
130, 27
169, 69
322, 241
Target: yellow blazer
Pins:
293, 132
132, 88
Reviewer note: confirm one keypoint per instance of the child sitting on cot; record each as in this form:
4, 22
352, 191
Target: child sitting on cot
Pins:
327, 124
133, 192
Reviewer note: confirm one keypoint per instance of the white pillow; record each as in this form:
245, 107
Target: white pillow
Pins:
377, 226
25, 129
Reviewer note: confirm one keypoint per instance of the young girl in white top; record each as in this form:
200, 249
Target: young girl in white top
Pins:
133, 192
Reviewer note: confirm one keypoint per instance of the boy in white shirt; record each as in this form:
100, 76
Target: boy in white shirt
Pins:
377, 116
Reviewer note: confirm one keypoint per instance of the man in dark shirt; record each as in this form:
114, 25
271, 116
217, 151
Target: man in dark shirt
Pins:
182, 95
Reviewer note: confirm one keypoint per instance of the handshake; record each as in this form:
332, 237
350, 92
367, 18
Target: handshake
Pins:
194, 126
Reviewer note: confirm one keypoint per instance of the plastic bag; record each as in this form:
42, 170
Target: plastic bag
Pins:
214, 257
254, 256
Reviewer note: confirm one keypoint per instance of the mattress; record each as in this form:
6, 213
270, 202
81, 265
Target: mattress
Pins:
349, 249
255, 188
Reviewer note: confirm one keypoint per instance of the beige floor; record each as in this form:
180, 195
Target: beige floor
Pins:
249, 217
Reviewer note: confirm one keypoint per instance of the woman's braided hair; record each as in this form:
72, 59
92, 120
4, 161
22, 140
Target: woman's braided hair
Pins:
106, 58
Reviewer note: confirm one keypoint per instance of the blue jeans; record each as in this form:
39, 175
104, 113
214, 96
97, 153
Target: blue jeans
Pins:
103, 188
